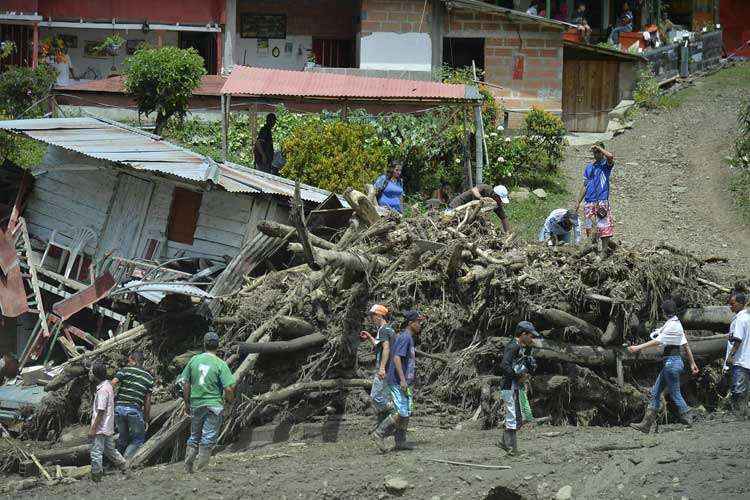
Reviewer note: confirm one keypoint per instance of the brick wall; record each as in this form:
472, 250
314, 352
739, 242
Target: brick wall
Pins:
321, 18
404, 16
538, 47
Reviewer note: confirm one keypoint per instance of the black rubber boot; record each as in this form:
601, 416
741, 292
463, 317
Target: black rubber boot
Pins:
400, 435
512, 442
505, 441
190, 454
648, 421
686, 418
385, 429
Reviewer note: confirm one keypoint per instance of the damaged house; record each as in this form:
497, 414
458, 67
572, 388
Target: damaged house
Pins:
110, 205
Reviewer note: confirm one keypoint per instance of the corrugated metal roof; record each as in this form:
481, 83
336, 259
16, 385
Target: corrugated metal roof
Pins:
210, 85
265, 82
123, 145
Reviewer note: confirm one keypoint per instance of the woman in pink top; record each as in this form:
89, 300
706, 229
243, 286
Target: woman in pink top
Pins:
102, 428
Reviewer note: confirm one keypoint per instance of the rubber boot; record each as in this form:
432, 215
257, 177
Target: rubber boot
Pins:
190, 454
97, 476
385, 429
512, 442
505, 441
382, 414
204, 454
400, 434
686, 418
648, 421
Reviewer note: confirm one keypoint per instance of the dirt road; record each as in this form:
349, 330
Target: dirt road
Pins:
670, 181
705, 461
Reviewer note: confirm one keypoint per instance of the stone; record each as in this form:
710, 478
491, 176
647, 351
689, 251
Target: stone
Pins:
564, 493
540, 193
678, 189
396, 485
519, 195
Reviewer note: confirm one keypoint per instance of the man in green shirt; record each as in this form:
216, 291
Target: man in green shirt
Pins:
208, 384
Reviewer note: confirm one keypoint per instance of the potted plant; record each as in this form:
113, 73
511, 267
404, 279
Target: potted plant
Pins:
110, 46
6, 48
53, 51
310, 60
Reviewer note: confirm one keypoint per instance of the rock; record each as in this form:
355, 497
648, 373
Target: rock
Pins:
564, 493
678, 189
540, 193
519, 195
396, 485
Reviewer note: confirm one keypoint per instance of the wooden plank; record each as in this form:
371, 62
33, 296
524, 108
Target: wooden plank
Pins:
201, 247
121, 233
228, 205
84, 298
76, 215
569, 105
220, 222
97, 309
34, 278
64, 196
219, 235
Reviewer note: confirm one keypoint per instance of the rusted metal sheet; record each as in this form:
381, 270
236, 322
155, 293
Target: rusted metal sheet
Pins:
13, 301
210, 85
8, 255
263, 82
90, 295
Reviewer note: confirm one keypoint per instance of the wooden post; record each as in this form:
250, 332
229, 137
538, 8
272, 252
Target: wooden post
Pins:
35, 46
479, 142
620, 370
160, 38
224, 127
549, 9
254, 123
219, 48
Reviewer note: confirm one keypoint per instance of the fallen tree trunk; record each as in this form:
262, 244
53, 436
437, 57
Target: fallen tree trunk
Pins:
68, 373
346, 260
278, 230
714, 318
75, 455
302, 387
282, 346
364, 208
290, 327
563, 319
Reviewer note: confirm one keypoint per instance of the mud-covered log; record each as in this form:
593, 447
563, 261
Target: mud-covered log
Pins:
362, 206
303, 387
713, 318
282, 346
346, 260
588, 386
75, 455
291, 327
563, 319
68, 373
278, 230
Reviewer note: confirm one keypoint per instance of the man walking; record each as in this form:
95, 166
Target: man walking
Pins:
401, 372
102, 427
516, 366
380, 395
738, 360
595, 195
208, 384
132, 404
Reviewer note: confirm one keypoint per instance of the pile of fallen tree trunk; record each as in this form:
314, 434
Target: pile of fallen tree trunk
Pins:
291, 335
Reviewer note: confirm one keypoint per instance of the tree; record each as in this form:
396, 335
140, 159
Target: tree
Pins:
162, 80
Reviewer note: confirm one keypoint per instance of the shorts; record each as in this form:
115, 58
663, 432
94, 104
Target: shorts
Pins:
513, 414
402, 401
604, 227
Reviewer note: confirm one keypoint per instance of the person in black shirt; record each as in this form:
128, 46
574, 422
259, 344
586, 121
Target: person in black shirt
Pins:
516, 366
263, 150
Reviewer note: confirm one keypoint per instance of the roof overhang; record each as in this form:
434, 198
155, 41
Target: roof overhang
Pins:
602, 52
114, 25
19, 18
513, 15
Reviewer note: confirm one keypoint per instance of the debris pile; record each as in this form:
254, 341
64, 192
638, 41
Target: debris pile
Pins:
291, 335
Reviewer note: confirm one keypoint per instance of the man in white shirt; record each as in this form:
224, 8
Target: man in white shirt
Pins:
562, 225
738, 360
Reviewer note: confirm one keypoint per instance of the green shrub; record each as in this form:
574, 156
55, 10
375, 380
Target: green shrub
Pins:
23, 91
545, 131
334, 155
742, 143
646, 90
162, 81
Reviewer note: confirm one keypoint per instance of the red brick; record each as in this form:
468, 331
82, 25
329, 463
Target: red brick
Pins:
549, 53
534, 42
471, 26
551, 75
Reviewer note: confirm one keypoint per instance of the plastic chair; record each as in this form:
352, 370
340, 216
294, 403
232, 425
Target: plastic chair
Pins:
79, 239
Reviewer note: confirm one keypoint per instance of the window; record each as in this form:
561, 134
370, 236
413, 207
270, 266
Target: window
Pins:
183, 216
333, 53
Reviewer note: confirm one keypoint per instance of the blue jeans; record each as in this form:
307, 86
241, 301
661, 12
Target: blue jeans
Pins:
205, 422
669, 379
379, 393
740, 381
131, 428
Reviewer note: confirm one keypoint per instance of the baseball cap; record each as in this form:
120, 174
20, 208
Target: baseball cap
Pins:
378, 309
526, 326
502, 192
414, 315
211, 337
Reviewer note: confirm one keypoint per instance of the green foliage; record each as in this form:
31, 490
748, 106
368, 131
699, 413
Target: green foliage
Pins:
646, 91
465, 76
334, 155
739, 183
162, 81
110, 45
24, 90
545, 131
526, 217
6, 48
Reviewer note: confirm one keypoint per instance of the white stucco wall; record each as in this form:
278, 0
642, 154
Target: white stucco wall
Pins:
396, 51
246, 52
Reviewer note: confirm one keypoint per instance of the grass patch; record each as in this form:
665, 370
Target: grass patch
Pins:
738, 76
527, 217
739, 185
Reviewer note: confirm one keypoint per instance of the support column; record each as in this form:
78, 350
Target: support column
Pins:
230, 34
218, 60
479, 140
160, 38
35, 46
436, 36
224, 126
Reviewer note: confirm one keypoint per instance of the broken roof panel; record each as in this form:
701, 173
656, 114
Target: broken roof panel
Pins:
133, 148
263, 82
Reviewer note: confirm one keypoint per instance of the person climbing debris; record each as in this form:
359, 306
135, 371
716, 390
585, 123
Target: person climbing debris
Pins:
499, 193
517, 366
672, 336
102, 428
738, 358
381, 343
132, 404
208, 385
561, 226
401, 374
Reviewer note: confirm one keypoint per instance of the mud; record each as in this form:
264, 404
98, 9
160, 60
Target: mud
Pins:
708, 460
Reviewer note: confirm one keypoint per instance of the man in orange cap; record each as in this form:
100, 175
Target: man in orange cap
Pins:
381, 343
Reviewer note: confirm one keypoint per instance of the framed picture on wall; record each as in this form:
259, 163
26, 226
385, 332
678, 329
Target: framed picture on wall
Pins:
263, 26
70, 41
89, 50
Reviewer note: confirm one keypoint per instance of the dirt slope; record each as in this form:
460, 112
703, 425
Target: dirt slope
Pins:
703, 462
670, 182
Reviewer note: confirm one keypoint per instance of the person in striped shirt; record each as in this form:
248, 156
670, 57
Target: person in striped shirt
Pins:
132, 404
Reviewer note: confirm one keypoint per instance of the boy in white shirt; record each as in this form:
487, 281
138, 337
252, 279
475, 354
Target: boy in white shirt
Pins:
738, 360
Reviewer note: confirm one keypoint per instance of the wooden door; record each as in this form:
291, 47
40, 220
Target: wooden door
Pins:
590, 92
126, 217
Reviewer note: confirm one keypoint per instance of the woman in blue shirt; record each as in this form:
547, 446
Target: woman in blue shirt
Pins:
389, 189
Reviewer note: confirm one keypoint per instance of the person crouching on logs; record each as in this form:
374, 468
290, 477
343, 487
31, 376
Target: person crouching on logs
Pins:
517, 365
672, 337
381, 343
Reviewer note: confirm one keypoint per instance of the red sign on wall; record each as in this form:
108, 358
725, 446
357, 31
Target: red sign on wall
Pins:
518, 63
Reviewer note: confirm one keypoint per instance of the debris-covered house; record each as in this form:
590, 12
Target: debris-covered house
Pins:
109, 207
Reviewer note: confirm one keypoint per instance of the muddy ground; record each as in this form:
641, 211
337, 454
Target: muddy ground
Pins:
707, 461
